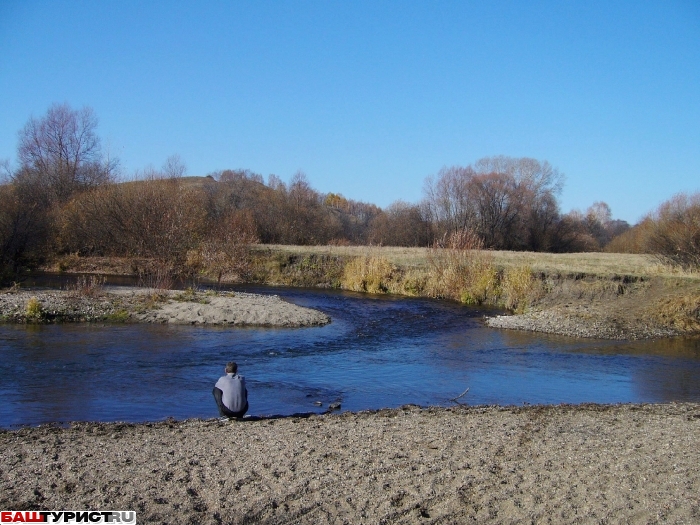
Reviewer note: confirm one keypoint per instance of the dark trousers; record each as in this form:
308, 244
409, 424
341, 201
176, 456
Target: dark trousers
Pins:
225, 412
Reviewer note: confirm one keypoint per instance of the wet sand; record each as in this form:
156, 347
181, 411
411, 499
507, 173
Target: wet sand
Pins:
540, 464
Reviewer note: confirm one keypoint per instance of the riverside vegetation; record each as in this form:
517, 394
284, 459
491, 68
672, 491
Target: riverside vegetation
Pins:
620, 296
65, 205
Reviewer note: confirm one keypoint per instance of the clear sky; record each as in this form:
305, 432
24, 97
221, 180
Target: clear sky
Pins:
370, 97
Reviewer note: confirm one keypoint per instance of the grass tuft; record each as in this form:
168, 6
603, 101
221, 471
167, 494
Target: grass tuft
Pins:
461, 270
119, 316
88, 285
34, 310
369, 274
518, 288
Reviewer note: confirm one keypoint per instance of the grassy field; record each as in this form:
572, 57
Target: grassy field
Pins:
596, 263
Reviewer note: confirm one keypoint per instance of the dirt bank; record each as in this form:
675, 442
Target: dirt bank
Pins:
155, 306
557, 464
611, 308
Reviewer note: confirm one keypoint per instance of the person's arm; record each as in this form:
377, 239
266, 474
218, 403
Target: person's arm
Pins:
218, 394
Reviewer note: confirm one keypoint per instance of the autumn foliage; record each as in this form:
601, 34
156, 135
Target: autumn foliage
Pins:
65, 198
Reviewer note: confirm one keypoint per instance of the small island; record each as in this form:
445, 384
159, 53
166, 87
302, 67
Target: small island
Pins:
132, 304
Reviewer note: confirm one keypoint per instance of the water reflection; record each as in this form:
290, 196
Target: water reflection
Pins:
377, 352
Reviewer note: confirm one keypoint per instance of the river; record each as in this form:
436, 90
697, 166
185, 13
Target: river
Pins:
379, 351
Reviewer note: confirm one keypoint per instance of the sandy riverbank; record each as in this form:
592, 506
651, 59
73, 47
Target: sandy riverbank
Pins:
555, 464
122, 304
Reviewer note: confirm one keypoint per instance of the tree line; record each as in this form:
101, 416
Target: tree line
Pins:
66, 197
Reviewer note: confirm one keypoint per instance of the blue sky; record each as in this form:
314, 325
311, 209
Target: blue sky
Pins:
369, 98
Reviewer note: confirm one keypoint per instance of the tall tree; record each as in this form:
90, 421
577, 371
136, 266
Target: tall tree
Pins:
60, 153
509, 203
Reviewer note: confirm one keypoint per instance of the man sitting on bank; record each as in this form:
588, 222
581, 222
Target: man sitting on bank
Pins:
230, 393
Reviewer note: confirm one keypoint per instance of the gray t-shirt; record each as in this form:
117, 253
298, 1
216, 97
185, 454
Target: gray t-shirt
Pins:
235, 395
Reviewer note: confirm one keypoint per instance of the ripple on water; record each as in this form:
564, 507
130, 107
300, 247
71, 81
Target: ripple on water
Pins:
378, 352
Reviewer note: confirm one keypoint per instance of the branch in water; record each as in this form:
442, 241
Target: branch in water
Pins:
460, 395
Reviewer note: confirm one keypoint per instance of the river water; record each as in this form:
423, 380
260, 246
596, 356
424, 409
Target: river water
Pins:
378, 352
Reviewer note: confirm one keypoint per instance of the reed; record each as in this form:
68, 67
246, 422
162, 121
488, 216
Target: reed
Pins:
88, 286
461, 270
370, 274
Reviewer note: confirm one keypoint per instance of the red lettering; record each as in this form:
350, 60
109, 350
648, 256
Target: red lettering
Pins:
9, 516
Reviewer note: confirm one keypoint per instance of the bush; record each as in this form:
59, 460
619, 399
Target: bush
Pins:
119, 316
88, 285
518, 288
461, 270
368, 274
676, 234
34, 310
634, 240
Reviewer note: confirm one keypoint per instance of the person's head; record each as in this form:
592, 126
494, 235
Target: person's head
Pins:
231, 367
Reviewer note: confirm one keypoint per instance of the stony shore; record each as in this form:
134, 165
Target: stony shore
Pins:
573, 324
538, 464
155, 306
608, 309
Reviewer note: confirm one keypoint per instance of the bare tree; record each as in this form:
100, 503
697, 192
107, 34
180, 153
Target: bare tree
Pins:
401, 224
22, 229
447, 201
676, 231
598, 218
5, 171
61, 153
509, 203
174, 167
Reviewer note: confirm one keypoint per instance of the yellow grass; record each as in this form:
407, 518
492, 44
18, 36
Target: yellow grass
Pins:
597, 263
518, 288
680, 311
34, 309
368, 274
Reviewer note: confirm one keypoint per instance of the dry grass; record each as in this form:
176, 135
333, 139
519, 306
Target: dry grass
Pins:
403, 257
679, 311
461, 271
593, 263
519, 288
369, 274
88, 285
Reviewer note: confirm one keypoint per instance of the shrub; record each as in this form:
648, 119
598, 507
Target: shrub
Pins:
67, 262
676, 234
119, 316
462, 270
634, 240
34, 310
88, 285
159, 277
